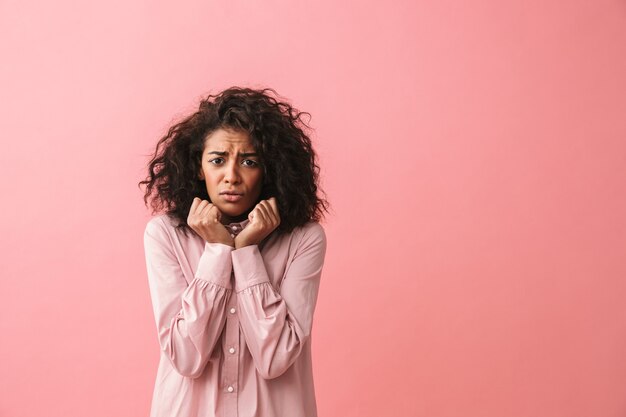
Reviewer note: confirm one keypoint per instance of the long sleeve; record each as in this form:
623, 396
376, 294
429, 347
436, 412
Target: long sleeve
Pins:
189, 318
277, 324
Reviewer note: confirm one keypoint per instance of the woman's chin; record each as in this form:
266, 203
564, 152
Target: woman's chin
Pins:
233, 216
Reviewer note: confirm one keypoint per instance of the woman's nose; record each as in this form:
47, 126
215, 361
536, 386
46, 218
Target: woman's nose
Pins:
232, 173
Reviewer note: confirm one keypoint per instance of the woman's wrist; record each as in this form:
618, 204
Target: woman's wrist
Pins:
243, 243
229, 242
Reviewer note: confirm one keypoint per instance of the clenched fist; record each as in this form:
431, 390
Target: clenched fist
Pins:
264, 218
204, 219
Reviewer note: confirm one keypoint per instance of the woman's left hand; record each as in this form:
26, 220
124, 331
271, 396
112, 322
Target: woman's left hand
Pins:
264, 218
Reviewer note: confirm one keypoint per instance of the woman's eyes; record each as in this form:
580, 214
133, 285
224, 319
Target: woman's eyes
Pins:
254, 163
218, 161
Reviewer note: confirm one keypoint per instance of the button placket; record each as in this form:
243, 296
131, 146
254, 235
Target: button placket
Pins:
231, 358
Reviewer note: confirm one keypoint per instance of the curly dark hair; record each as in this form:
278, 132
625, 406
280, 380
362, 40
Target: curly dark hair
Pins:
277, 132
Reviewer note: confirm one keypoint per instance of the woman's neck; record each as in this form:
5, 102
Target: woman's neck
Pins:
225, 219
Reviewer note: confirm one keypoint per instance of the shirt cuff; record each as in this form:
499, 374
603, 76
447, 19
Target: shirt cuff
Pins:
248, 267
215, 264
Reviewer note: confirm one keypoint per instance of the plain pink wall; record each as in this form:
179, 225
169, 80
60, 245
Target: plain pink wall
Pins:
474, 154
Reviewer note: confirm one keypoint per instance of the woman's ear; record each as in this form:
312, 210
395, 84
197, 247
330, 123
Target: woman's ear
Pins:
201, 175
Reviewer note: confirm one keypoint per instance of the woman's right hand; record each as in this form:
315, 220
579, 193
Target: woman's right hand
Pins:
204, 219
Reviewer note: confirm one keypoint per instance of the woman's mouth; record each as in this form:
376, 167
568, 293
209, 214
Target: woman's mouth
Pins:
231, 197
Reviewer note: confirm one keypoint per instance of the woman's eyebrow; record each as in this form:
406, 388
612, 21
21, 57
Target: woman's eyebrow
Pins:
244, 154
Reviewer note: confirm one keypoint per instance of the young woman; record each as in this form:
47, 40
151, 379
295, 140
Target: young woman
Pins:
234, 260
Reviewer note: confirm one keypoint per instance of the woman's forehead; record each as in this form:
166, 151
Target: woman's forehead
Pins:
224, 140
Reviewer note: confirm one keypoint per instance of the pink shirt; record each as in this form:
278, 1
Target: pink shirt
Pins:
234, 326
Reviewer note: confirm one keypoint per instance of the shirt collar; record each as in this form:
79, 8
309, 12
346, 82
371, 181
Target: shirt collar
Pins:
236, 227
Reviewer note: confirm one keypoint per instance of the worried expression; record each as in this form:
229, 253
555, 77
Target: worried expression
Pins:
233, 174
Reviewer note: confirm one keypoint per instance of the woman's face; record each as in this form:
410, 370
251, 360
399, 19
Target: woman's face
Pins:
230, 164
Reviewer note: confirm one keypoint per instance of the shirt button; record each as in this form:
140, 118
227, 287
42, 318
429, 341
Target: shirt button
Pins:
231, 389
232, 310
231, 350
232, 235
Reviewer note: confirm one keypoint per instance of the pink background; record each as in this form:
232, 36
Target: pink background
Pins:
474, 154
